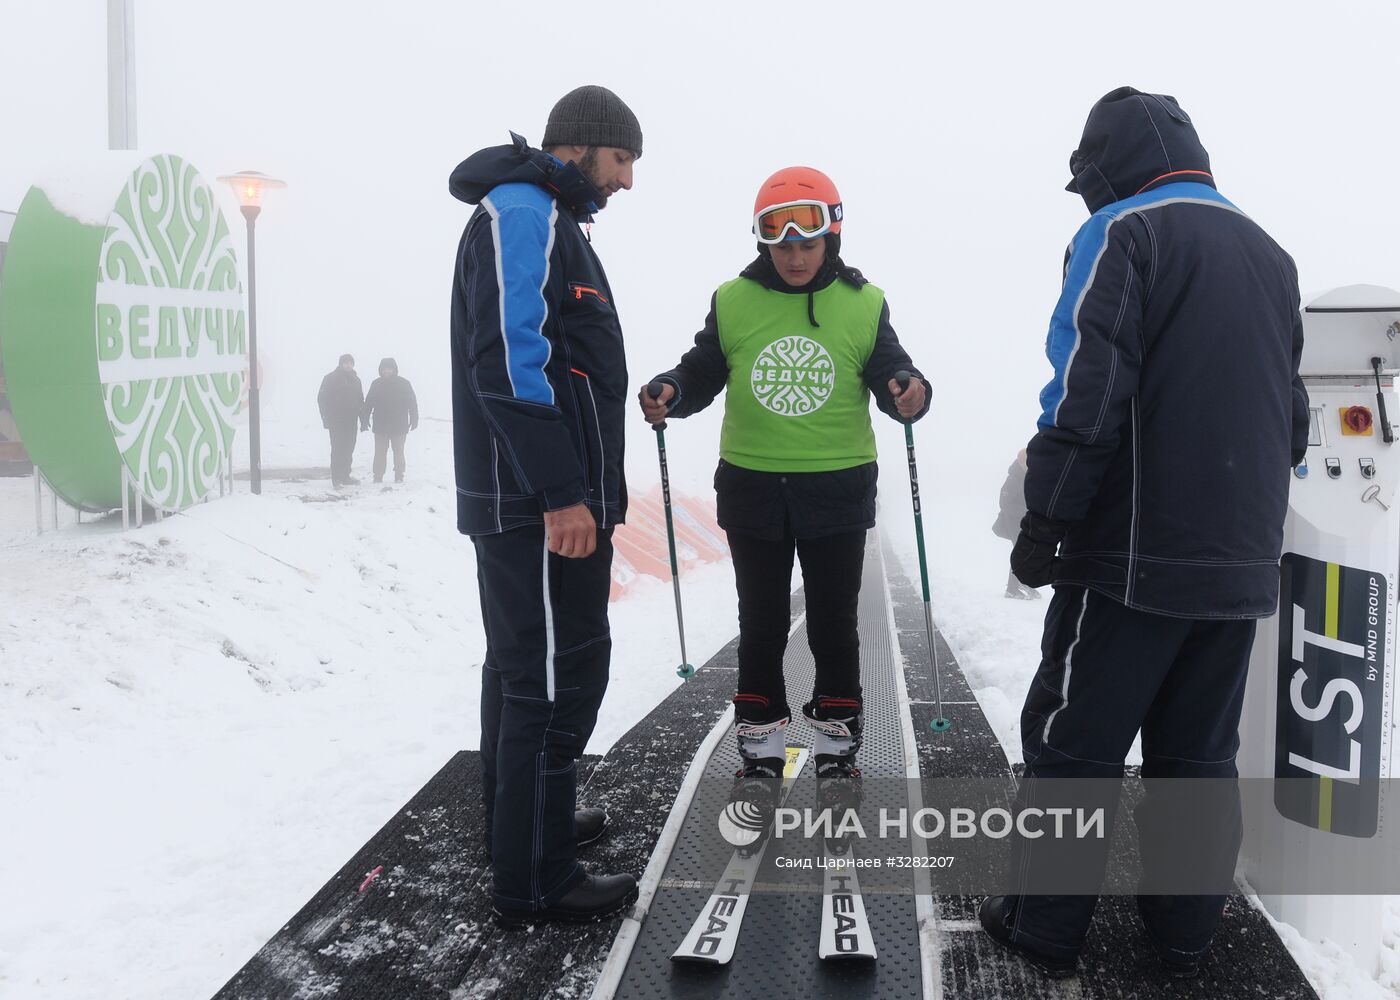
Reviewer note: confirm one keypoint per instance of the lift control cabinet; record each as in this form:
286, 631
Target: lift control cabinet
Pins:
1319, 710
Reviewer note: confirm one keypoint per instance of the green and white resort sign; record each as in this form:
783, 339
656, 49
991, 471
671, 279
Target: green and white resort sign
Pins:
125, 339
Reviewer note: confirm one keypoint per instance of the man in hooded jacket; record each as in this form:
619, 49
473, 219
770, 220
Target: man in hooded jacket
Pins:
539, 380
392, 408
1156, 490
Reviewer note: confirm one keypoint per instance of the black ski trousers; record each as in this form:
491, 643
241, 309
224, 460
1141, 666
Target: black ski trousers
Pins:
831, 572
1107, 672
546, 668
343, 434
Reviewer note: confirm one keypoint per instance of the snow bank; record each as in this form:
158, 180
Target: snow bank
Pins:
201, 720
1331, 970
86, 188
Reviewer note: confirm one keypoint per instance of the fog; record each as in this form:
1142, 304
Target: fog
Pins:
947, 131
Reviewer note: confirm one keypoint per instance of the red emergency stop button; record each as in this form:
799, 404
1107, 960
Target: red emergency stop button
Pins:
1356, 420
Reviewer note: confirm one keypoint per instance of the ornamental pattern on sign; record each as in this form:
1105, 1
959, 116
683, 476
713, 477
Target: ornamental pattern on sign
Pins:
171, 331
793, 376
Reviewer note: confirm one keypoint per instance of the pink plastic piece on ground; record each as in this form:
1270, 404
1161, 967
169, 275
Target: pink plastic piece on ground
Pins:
370, 878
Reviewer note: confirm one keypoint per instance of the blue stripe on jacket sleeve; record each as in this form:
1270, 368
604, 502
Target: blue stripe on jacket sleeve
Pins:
1062, 341
522, 226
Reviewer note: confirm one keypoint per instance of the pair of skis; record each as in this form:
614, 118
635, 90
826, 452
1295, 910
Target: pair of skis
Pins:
845, 929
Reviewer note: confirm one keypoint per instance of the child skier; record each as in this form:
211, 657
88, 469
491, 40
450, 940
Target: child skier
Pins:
800, 341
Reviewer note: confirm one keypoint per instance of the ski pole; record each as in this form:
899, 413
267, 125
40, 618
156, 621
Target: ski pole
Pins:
940, 722
686, 669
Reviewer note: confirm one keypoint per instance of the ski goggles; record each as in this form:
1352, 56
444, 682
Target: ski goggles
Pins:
807, 219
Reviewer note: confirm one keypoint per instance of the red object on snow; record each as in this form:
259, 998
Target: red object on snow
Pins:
370, 878
640, 545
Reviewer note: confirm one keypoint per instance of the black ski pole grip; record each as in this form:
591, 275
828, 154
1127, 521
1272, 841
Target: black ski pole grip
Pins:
654, 391
902, 379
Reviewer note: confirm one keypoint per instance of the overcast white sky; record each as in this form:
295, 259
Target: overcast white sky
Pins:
946, 127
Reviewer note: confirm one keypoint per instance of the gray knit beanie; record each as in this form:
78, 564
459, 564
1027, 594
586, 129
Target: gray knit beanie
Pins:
593, 116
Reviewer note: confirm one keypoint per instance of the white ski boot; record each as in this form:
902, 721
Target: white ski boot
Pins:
758, 784
837, 724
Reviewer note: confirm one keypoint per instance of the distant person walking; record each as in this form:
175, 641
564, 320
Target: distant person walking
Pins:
393, 408
341, 399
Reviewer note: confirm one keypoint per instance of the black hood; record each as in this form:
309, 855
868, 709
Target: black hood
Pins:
1130, 140
388, 363
519, 163
761, 270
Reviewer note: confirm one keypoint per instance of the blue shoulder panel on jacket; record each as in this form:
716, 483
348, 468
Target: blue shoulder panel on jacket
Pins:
1089, 244
522, 228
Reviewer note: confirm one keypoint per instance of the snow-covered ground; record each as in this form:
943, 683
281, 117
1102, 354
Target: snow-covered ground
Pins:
201, 720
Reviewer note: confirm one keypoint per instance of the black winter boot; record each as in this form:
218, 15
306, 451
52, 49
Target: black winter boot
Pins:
589, 825
998, 915
596, 897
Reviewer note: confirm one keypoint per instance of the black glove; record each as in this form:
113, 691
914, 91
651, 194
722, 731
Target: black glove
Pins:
1033, 558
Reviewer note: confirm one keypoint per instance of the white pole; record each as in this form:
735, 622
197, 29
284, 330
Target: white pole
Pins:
38, 501
121, 74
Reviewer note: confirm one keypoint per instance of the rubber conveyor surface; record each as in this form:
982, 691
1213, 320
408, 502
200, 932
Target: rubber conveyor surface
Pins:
778, 944
408, 917
1246, 962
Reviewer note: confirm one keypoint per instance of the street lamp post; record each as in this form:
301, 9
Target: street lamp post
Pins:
249, 186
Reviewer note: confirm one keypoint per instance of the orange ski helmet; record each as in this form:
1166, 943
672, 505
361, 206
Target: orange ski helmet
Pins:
788, 190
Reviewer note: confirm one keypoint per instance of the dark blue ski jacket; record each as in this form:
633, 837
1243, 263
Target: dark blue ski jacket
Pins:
1175, 412
539, 378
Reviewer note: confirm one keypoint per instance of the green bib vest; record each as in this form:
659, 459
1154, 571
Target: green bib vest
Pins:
795, 400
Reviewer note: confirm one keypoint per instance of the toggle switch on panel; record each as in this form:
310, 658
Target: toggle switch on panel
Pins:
1368, 468
1334, 468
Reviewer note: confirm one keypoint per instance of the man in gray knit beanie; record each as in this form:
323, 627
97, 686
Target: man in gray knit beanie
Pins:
593, 116
591, 126
537, 357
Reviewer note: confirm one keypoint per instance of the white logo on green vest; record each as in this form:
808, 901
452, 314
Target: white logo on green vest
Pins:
171, 332
793, 376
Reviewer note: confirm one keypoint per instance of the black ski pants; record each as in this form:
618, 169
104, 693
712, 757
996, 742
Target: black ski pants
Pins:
1107, 672
546, 668
831, 572
343, 435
